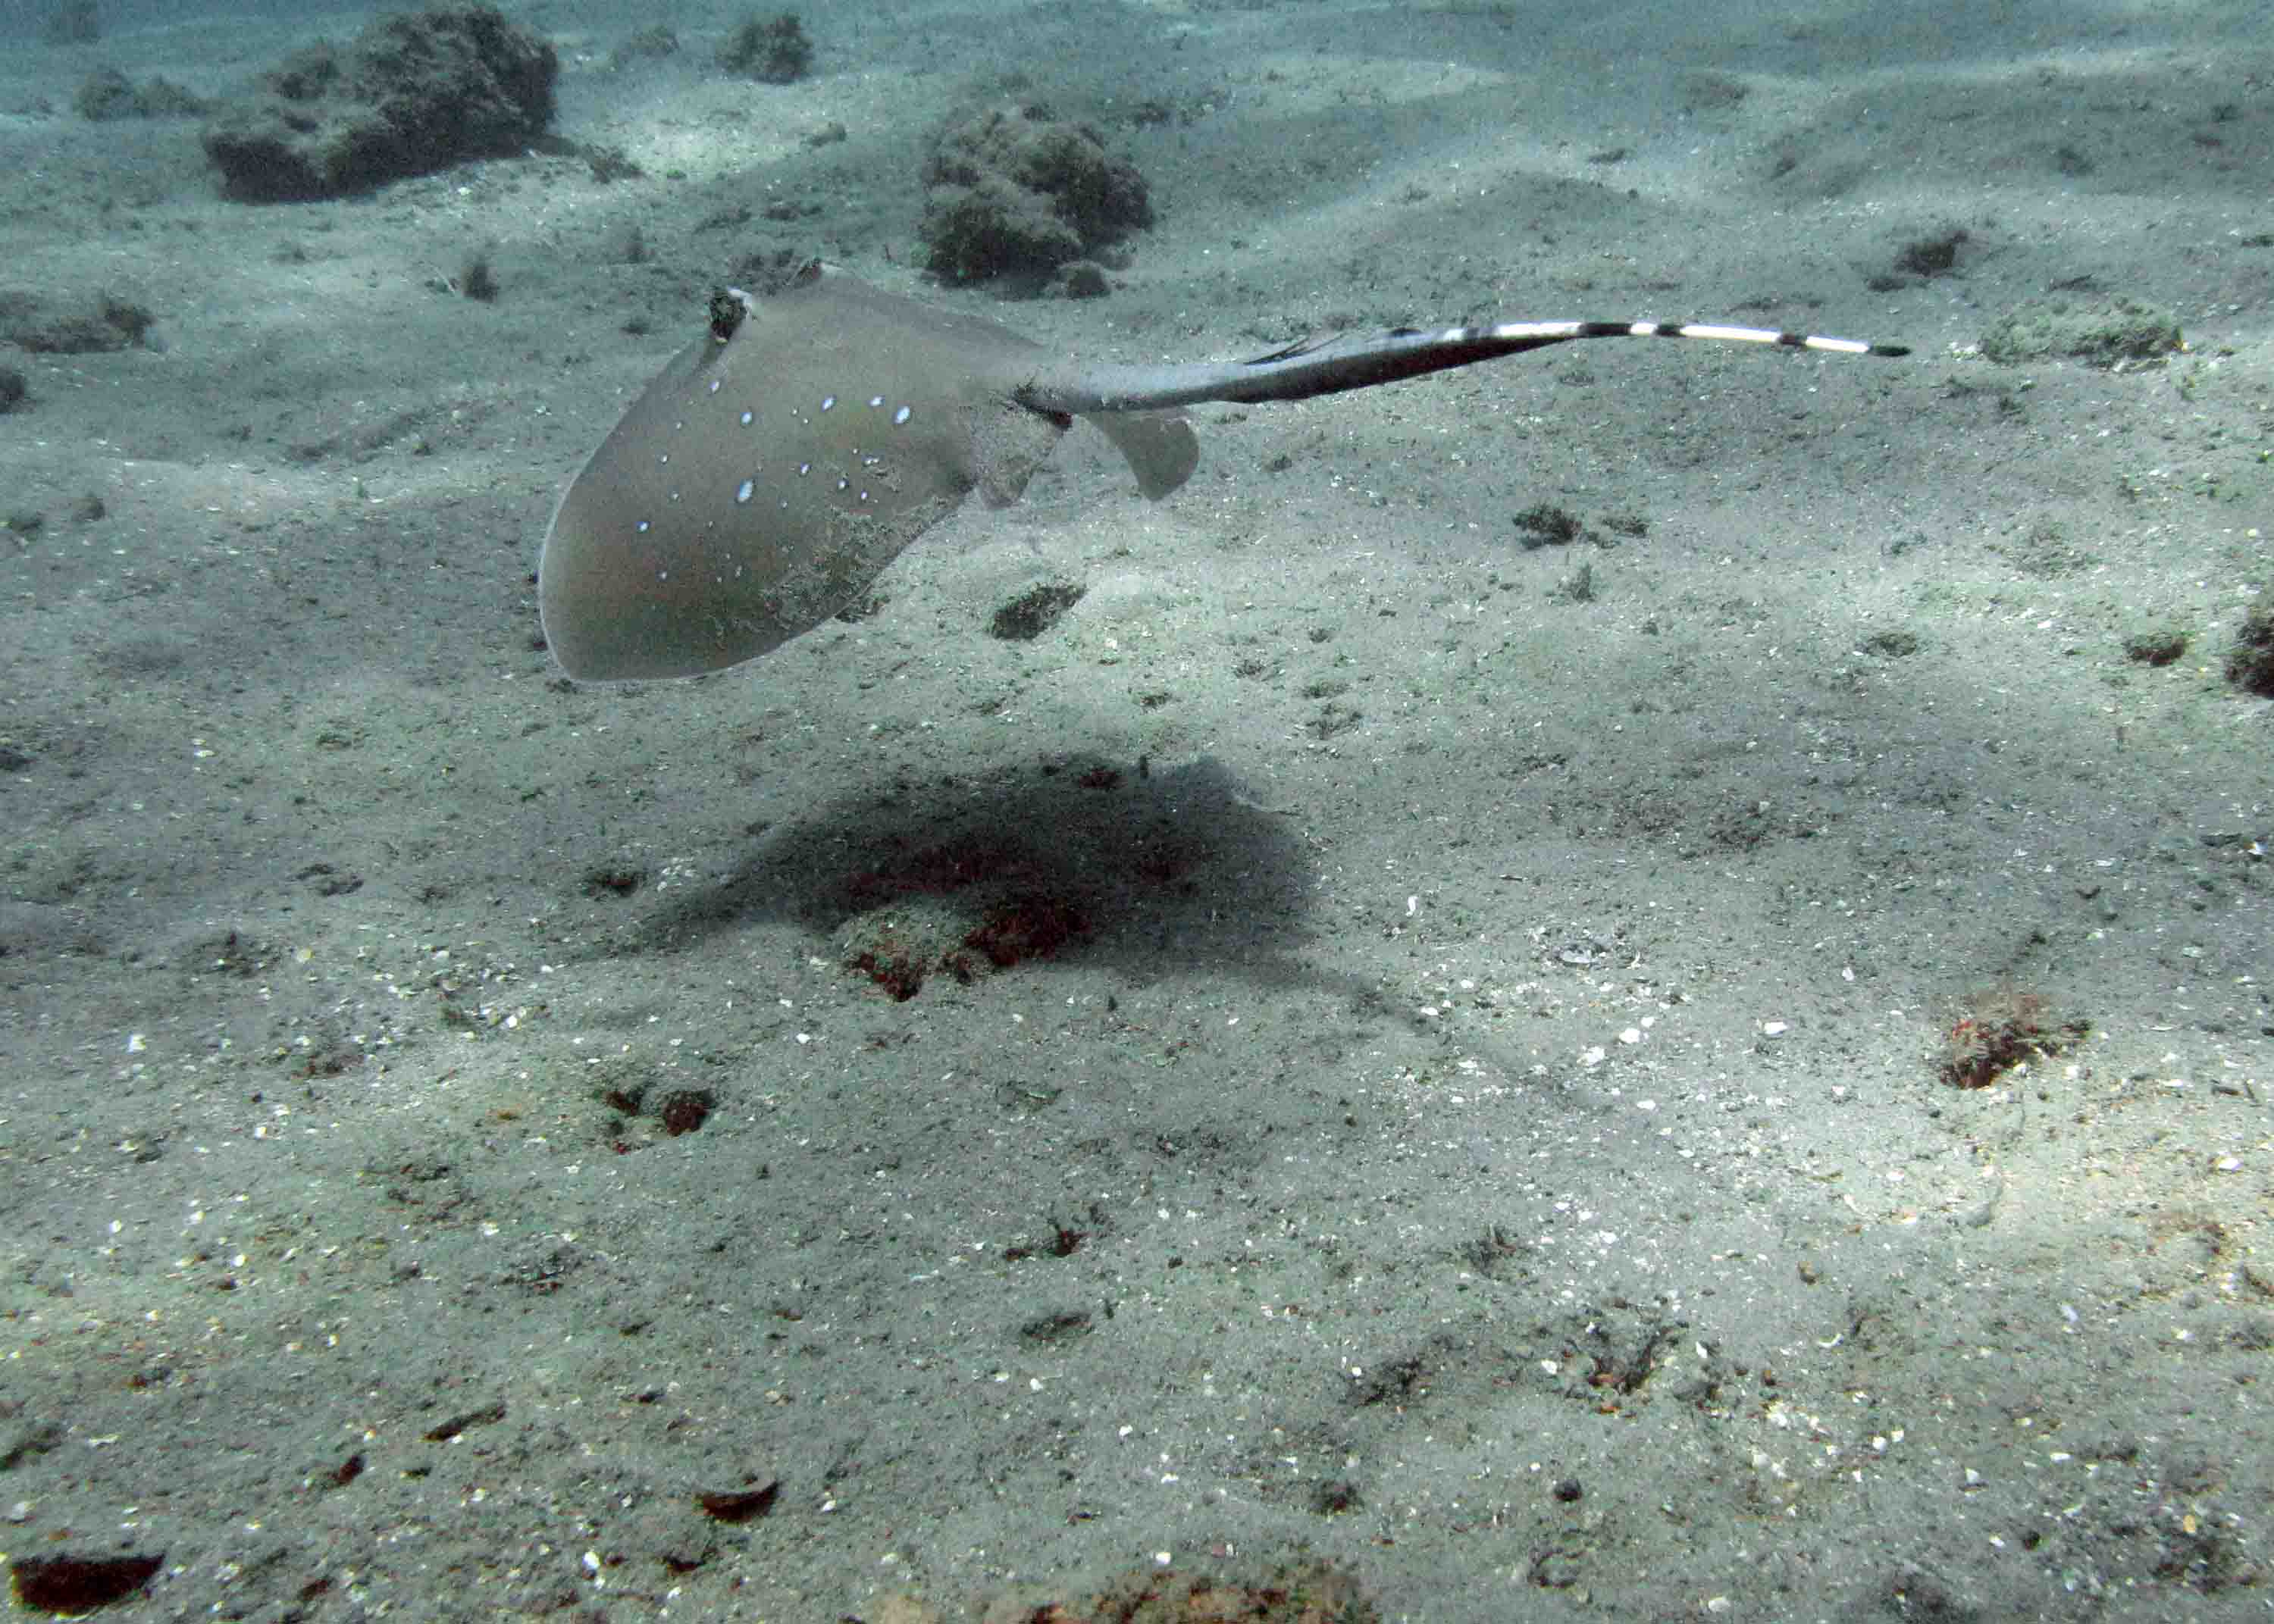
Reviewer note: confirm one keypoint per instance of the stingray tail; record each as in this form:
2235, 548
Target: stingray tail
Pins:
1341, 361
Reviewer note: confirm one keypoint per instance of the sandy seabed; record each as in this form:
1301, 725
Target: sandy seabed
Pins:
1462, 1104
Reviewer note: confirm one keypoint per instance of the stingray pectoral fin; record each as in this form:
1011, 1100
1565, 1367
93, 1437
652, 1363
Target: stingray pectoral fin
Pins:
761, 482
677, 551
1008, 443
615, 611
1160, 445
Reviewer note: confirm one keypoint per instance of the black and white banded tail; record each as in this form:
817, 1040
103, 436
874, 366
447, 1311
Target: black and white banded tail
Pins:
1340, 361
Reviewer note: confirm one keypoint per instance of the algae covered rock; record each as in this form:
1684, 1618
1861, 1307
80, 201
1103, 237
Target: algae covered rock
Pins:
107, 93
72, 322
414, 94
774, 52
2097, 328
1017, 191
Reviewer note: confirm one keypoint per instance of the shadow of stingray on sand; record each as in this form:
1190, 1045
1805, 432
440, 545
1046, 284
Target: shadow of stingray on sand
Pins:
1148, 872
